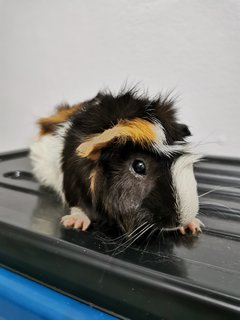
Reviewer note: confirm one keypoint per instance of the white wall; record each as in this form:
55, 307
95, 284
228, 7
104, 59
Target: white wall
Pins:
66, 50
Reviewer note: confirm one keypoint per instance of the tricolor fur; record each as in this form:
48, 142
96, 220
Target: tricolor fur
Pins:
86, 154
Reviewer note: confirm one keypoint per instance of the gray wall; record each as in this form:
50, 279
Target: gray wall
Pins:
66, 50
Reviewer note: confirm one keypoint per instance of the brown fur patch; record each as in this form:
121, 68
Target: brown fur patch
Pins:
62, 114
92, 179
138, 130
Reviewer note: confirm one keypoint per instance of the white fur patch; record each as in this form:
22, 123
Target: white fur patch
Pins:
160, 144
160, 133
46, 158
185, 188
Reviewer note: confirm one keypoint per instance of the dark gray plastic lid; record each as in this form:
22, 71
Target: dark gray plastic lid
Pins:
172, 277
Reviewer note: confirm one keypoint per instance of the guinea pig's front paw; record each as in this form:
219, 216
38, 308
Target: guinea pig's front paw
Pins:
194, 226
77, 221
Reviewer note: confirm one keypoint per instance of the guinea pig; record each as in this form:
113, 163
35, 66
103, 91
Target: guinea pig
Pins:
119, 158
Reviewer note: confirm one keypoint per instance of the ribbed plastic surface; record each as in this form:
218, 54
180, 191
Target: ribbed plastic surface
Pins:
171, 277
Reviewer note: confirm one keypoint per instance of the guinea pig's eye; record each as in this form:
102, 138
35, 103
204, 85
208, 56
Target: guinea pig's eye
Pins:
139, 167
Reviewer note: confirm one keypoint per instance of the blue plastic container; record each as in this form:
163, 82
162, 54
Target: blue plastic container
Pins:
23, 299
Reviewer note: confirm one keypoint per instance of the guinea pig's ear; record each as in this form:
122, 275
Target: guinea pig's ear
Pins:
182, 131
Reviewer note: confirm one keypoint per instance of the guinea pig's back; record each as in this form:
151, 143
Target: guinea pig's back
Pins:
46, 151
46, 155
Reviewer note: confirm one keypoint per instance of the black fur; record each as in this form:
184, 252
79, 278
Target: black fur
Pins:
120, 196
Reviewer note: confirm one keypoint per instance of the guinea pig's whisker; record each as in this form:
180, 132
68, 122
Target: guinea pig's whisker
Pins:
140, 234
112, 240
149, 237
123, 236
130, 234
216, 204
203, 142
122, 244
203, 213
210, 191
135, 239
169, 229
131, 240
152, 232
108, 240
161, 233
126, 236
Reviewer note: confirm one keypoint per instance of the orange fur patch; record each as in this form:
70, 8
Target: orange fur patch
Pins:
138, 130
48, 124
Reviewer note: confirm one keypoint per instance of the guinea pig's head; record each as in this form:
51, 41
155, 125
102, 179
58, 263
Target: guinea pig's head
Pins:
136, 188
143, 174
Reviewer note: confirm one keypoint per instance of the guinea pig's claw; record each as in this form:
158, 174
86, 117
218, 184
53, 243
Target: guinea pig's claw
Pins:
182, 230
77, 221
194, 226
